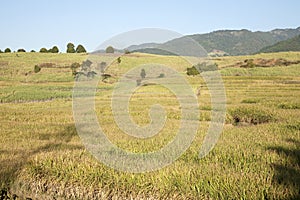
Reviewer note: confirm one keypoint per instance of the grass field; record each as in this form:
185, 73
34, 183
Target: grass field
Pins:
256, 157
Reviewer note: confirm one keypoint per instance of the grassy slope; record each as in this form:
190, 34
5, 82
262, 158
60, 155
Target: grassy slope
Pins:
41, 154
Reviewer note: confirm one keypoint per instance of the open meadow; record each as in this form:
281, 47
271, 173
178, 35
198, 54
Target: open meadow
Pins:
256, 157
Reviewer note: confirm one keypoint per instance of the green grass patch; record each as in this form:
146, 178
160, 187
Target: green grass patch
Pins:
251, 115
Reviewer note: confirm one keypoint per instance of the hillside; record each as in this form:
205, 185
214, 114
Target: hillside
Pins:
292, 44
233, 42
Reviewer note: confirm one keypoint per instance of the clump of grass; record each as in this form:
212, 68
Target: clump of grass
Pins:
289, 106
250, 101
294, 126
251, 115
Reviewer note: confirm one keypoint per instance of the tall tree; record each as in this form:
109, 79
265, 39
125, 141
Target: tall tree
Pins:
70, 48
80, 49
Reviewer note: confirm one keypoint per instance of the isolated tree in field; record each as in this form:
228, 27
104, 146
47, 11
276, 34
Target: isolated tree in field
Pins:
119, 60
43, 50
143, 73
70, 48
109, 49
7, 50
32, 51
80, 49
21, 50
54, 49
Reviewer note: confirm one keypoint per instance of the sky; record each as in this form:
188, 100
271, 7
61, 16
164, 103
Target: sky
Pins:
33, 24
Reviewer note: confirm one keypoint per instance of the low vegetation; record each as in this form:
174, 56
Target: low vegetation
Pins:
42, 157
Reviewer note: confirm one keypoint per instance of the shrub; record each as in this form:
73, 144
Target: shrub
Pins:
54, 49
143, 73
37, 69
295, 126
109, 49
70, 48
201, 67
250, 101
21, 50
7, 50
74, 68
289, 106
126, 51
80, 49
251, 115
43, 50
119, 60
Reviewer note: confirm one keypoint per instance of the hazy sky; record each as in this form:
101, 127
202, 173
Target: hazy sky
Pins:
32, 24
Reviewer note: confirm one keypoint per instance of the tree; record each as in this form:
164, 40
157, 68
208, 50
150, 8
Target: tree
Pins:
1, 51
54, 49
143, 73
7, 50
21, 50
32, 51
80, 49
43, 50
119, 60
70, 48
109, 49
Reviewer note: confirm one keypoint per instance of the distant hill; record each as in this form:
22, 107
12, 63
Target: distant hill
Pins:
232, 42
292, 44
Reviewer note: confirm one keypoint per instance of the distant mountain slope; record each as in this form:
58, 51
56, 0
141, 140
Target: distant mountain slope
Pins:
292, 44
233, 42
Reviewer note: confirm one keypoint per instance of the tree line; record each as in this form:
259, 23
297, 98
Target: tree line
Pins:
70, 49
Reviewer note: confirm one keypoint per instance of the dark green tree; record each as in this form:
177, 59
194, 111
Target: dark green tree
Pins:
109, 49
7, 50
119, 60
70, 48
1, 51
32, 51
43, 50
80, 49
21, 50
54, 49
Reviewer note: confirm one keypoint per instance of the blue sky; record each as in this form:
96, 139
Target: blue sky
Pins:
33, 24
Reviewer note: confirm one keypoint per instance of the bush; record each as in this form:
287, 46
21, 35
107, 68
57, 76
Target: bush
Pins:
70, 48
250, 101
37, 69
289, 106
201, 67
74, 68
21, 50
54, 49
143, 73
109, 49
80, 49
7, 50
250, 115
43, 50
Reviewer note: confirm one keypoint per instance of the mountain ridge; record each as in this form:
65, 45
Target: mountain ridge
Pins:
232, 42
